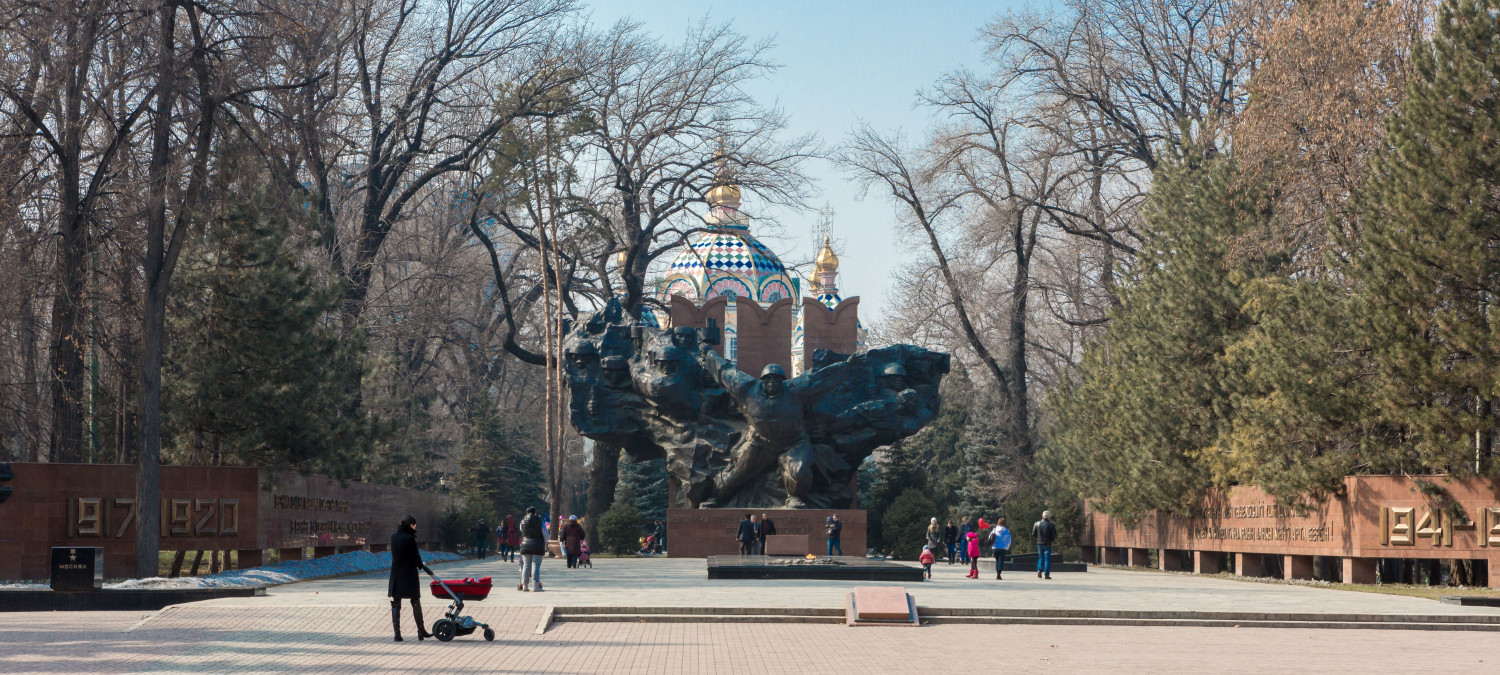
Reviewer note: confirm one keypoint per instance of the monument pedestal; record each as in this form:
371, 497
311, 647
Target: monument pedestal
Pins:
700, 533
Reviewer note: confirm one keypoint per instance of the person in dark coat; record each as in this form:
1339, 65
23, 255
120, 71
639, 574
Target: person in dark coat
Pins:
481, 538
767, 528
746, 536
507, 538
950, 542
533, 547
405, 561
835, 529
572, 539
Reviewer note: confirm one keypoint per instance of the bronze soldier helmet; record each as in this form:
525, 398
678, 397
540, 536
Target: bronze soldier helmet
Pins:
667, 359
893, 369
772, 369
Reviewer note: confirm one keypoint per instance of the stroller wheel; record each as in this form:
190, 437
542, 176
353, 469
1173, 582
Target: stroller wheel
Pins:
444, 630
489, 634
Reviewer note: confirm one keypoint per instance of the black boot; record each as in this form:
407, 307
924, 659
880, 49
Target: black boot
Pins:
416, 610
396, 620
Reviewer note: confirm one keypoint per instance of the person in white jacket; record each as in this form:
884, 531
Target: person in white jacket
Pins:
1001, 538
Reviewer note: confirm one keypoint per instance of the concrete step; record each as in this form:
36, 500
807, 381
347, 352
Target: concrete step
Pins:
1003, 616
702, 611
1294, 617
696, 618
1211, 623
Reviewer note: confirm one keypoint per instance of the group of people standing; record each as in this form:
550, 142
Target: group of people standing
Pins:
753, 530
752, 533
964, 544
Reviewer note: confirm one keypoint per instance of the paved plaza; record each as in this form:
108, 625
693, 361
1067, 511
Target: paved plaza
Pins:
342, 626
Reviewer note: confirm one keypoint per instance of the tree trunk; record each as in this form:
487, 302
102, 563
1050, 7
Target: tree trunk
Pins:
604, 475
30, 394
147, 487
67, 343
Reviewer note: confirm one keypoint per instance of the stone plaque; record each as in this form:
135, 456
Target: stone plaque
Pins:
787, 544
881, 603
77, 569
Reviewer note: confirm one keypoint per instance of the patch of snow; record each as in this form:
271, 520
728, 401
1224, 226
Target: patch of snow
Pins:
25, 585
268, 575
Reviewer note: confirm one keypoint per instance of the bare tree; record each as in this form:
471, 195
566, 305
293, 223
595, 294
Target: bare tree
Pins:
77, 100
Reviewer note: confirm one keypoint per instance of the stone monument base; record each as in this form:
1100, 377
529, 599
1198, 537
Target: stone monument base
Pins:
700, 533
832, 569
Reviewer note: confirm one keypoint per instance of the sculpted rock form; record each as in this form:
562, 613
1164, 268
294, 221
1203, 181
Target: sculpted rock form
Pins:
734, 440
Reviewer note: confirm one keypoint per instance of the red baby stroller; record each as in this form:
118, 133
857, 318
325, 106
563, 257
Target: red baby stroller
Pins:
453, 622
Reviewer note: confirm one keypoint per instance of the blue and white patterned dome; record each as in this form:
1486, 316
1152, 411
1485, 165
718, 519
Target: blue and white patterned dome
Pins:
727, 261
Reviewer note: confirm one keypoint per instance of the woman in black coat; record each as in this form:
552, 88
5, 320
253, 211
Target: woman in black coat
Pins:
405, 561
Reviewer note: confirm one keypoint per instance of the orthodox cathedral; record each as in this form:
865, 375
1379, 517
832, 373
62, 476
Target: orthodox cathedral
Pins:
728, 275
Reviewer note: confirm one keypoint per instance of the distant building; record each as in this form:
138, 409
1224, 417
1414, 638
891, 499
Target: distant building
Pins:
728, 275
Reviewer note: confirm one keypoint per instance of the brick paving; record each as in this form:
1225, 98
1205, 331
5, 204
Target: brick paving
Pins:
342, 626
354, 639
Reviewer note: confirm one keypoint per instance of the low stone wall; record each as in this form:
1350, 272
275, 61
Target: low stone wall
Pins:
1379, 517
699, 533
250, 511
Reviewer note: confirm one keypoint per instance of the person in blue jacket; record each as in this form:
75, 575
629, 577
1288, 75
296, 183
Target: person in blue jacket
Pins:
1001, 538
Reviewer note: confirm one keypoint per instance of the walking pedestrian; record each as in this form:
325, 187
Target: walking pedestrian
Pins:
767, 528
1045, 533
509, 539
533, 547
661, 536
926, 560
572, 539
835, 534
1000, 542
481, 538
950, 541
405, 561
745, 534
971, 551
964, 528
935, 536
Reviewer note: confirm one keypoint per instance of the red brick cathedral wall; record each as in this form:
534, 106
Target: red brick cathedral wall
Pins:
822, 328
765, 335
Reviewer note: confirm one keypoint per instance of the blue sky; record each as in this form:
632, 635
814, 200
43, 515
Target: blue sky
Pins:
841, 63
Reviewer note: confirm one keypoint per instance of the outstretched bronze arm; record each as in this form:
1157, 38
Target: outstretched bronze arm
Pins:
826, 379
729, 377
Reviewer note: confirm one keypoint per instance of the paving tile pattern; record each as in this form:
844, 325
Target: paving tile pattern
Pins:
355, 639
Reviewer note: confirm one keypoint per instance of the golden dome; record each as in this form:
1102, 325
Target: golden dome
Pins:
826, 260
721, 194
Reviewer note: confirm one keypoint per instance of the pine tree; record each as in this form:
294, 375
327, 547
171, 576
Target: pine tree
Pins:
1427, 263
254, 367
497, 471
644, 486
1142, 428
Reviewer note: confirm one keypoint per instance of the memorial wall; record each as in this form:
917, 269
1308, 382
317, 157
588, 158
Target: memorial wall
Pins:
202, 508
1377, 517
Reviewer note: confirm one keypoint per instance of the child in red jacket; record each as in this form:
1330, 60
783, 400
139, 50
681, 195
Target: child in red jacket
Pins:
926, 560
973, 545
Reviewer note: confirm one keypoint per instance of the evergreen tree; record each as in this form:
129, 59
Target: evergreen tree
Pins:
1427, 264
904, 528
498, 474
644, 486
1142, 428
254, 366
